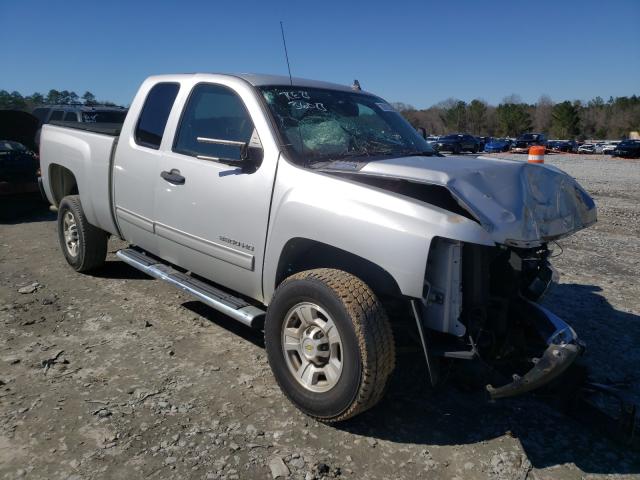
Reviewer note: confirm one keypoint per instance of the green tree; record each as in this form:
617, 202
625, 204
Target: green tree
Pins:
89, 98
513, 119
67, 97
455, 117
12, 101
5, 99
565, 120
476, 114
18, 101
36, 99
53, 97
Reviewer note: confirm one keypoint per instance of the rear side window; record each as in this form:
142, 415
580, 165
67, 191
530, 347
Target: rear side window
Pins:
70, 117
213, 111
154, 115
56, 115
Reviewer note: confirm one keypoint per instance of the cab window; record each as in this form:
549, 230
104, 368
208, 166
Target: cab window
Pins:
70, 117
216, 112
154, 114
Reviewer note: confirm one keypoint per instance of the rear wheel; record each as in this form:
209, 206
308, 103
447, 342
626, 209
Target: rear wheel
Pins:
329, 344
83, 245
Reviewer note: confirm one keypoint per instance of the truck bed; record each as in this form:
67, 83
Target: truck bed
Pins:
86, 151
111, 129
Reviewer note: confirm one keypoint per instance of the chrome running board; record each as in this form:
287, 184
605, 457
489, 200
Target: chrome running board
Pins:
234, 307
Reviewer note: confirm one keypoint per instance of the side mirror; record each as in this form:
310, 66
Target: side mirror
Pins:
423, 132
251, 152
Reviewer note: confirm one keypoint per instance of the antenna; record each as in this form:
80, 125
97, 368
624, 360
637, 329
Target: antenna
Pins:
286, 54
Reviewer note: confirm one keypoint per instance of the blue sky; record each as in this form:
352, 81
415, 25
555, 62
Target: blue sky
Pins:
414, 52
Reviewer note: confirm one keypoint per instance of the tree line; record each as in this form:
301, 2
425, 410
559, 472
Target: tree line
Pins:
597, 118
15, 101
612, 119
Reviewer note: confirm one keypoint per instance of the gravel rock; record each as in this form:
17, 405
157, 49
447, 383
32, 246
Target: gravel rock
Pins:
29, 288
194, 408
278, 468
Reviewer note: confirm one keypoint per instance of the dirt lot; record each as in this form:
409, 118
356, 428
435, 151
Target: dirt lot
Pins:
119, 376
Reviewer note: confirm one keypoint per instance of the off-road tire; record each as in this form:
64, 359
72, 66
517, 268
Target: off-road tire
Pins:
366, 336
92, 242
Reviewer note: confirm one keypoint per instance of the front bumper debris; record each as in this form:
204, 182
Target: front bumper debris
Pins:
563, 347
555, 360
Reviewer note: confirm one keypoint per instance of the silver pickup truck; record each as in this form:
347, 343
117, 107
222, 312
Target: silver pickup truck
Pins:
316, 212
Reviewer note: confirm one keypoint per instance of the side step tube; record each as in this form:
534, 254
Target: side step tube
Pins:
234, 307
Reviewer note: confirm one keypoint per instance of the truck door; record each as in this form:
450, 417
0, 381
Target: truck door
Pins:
212, 217
137, 161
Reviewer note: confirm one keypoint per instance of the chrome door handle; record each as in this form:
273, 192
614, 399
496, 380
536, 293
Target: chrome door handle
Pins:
173, 177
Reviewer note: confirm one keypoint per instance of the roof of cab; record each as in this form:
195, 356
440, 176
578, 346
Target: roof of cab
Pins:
259, 80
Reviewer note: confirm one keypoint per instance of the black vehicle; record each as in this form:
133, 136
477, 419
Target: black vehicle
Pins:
18, 168
458, 143
568, 146
78, 113
482, 142
526, 140
18, 163
628, 149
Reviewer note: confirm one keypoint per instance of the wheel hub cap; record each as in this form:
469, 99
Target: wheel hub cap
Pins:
312, 347
70, 231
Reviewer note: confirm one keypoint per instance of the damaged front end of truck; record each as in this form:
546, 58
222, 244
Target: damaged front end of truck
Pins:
480, 302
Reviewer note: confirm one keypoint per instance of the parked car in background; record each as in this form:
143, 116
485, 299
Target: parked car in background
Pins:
495, 145
526, 140
609, 148
553, 145
568, 146
628, 149
587, 148
458, 143
432, 140
482, 141
18, 168
18, 161
599, 146
78, 113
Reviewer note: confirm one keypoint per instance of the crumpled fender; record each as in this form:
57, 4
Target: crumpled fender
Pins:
518, 203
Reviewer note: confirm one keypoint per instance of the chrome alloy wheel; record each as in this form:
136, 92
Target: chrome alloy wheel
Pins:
70, 230
312, 347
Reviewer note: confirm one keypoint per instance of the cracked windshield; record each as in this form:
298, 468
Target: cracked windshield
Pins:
321, 125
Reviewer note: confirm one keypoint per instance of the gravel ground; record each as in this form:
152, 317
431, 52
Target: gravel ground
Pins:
116, 375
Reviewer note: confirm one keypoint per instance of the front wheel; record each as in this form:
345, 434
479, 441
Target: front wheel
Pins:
84, 246
329, 344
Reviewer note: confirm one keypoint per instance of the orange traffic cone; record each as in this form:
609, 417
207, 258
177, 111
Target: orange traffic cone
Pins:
536, 154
